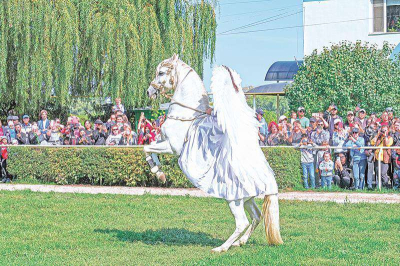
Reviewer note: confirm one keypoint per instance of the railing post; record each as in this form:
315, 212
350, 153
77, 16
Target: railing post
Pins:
380, 168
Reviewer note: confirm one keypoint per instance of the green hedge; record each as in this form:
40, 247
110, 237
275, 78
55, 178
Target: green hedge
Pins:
124, 166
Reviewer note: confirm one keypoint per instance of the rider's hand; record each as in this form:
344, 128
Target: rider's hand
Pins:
209, 111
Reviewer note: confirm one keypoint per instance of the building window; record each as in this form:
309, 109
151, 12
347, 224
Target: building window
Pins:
379, 15
393, 15
386, 15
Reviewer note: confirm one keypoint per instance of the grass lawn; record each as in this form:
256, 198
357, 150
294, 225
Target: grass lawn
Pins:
59, 229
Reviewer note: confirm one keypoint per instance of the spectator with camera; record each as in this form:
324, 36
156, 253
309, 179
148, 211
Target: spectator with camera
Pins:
53, 134
284, 126
307, 160
330, 116
73, 133
312, 128
115, 136
320, 135
274, 136
384, 121
391, 117
339, 138
84, 138
36, 137
99, 134
361, 118
111, 122
358, 157
127, 138
21, 137
147, 137
383, 139
296, 134
350, 122
342, 177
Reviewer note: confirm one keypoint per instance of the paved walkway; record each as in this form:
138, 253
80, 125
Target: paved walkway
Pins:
339, 197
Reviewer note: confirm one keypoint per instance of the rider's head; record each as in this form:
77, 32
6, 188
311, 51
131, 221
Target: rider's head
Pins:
165, 79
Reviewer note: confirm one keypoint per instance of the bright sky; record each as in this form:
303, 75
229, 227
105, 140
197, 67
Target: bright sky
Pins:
251, 54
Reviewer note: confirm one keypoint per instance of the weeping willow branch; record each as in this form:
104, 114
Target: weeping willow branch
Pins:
99, 48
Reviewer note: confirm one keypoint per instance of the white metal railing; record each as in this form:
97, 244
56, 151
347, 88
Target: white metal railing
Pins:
347, 148
285, 147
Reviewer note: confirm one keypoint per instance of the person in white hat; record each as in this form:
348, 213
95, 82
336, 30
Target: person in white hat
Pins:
284, 126
361, 118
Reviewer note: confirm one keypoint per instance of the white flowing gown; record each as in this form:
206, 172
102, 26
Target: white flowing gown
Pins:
209, 163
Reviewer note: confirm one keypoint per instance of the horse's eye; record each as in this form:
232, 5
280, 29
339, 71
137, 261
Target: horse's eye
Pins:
161, 73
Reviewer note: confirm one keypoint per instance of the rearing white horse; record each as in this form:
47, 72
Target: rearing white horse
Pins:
218, 151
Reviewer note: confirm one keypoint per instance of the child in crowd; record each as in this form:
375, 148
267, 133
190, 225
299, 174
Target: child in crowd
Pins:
320, 158
326, 170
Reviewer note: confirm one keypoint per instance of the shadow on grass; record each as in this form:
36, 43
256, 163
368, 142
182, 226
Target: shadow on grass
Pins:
168, 236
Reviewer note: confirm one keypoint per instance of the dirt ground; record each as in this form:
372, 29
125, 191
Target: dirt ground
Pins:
339, 197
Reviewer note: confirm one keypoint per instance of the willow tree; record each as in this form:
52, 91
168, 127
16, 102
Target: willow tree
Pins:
52, 50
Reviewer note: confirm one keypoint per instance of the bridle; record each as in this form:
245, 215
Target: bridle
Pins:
161, 89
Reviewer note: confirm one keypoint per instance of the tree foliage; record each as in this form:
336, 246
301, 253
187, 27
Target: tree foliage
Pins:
67, 48
347, 74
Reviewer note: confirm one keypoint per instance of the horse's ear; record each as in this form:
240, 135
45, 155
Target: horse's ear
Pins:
175, 57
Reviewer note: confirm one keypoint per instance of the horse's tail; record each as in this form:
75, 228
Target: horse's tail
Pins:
270, 210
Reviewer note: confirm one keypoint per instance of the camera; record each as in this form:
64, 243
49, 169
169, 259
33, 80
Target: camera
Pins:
370, 132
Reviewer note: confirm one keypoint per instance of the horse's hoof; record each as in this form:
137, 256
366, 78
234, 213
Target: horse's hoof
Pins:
161, 176
236, 243
219, 250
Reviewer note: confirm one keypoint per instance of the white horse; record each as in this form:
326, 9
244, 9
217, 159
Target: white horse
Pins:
219, 151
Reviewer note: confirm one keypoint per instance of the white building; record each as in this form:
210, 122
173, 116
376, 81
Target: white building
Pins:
331, 21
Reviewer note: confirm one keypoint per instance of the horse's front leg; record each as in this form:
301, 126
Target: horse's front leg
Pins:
152, 158
162, 146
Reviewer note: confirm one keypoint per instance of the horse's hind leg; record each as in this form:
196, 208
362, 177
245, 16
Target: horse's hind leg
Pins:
255, 214
237, 209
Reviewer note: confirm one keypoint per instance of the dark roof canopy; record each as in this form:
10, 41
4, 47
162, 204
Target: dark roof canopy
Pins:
269, 89
283, 70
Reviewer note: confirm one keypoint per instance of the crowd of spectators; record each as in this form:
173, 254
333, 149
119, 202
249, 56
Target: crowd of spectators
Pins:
117, 130
331, 162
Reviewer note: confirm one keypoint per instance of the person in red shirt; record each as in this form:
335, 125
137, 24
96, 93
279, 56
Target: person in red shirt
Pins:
148, 136
3, 164
385, 119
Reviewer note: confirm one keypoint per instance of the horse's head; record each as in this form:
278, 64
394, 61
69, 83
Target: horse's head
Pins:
165, 79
